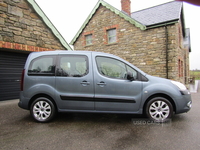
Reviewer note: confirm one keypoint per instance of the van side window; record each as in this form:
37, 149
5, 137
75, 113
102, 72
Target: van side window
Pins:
111, 67
43, 65
114, 68
73, 66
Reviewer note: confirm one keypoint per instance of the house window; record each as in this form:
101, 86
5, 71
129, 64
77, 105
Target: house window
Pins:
88, 39
112, 35
180, 68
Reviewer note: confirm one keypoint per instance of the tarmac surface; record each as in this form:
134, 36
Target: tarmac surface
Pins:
18, 131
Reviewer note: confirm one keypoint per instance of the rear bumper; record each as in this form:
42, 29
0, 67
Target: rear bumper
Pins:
23, 102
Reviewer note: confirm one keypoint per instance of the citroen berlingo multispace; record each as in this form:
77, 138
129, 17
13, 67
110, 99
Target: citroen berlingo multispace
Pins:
95, 82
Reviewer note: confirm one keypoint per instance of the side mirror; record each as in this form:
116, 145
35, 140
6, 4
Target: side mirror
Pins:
130, 76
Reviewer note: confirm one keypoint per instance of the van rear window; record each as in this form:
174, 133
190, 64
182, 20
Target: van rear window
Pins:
44, 65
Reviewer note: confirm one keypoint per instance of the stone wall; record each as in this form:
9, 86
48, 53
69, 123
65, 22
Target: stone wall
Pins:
145, 49
21, 25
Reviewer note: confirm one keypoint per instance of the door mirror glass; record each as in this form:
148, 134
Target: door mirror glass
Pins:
130, 76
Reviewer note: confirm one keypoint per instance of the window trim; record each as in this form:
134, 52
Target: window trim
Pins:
106, 29
84, 38
111, 36
88, 39
180, 68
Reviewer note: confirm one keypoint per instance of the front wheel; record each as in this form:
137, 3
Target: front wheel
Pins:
159, 109
42, 110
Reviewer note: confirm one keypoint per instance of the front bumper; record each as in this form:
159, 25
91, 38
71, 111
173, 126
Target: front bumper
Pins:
184, 103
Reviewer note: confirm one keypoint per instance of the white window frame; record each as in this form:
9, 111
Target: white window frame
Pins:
112, 35
88, 39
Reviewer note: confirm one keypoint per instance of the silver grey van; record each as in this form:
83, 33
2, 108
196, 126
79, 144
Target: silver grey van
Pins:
94, 82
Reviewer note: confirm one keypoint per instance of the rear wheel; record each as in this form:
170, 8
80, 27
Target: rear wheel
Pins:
42, 110
159, 109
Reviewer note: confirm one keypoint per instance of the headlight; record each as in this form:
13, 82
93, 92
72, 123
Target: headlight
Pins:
179, 85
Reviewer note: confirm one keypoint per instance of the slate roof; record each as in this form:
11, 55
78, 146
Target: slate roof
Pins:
160, 14
49, 23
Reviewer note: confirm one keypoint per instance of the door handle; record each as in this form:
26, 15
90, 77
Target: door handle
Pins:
101, 84
85, 83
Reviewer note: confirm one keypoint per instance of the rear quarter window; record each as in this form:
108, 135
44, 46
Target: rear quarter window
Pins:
44, 65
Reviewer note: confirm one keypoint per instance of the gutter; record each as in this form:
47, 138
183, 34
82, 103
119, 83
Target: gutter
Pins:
166, 49
162, 24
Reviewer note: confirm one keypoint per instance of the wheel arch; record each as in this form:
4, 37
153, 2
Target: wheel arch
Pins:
42, 95
159, 95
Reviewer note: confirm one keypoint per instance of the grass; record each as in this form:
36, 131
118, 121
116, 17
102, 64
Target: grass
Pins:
195, 74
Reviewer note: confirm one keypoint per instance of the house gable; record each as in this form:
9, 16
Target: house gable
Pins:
25, 27
49, 23
161, 15
113, 9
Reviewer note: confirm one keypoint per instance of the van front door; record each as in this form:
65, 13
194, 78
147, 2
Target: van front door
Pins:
74, 82
113, 92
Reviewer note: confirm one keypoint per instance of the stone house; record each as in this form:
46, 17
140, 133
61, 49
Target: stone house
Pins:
152, 39
24, 28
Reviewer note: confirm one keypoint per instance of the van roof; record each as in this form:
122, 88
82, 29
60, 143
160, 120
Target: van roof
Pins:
70, 52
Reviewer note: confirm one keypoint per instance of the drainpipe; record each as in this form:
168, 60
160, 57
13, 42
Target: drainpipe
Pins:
166, 49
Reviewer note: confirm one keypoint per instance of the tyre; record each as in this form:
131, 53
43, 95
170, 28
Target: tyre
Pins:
159, 109
42, 110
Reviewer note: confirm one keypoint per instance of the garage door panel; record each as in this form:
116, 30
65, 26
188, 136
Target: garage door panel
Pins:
11, 66
11, 71
11, 94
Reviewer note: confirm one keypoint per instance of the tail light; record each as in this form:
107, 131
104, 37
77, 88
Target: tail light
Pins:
22, 81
